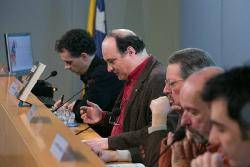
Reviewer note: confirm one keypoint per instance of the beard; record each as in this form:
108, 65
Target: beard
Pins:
197, 137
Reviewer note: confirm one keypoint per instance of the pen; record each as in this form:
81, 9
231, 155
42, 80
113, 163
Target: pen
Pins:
62, 97
82, 130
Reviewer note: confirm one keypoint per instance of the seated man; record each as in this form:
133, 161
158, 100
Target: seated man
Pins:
126, 56
188, 62
229, 95
181, 64
195, 118
77, 50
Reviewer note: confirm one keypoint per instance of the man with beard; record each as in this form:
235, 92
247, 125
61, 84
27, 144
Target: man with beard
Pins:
229, 95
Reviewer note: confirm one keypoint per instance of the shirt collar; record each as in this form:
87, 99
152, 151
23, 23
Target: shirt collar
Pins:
137, 71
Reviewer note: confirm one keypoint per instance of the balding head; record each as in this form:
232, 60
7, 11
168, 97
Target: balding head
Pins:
123, 51
196, 112
198, 79
125, 38
121, 33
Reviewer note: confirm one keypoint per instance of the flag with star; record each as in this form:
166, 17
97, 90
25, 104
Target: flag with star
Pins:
97, 23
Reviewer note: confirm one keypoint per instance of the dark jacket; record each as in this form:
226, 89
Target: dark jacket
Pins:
138, 114
102, 88
149, 144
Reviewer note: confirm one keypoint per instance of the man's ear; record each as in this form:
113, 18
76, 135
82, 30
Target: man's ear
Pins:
85, 56
131, 51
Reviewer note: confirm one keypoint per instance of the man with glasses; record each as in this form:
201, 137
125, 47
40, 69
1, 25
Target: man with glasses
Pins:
195, 118
181, 65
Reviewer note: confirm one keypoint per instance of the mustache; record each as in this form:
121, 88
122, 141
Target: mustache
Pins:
197, 137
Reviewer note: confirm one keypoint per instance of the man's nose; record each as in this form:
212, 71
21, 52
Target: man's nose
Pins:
167, 89
185, 120
109, 68
213, 137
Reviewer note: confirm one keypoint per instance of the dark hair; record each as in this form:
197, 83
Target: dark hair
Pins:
76, 41
190, 60
123, 42
233, 86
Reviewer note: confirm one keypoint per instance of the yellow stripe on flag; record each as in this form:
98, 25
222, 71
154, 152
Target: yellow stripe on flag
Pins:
90, 27
91, 16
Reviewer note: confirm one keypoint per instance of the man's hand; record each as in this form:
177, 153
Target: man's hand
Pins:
114, 156
100, 147
68, 106
182, 152
108, 155
208, 160
97, 144
91, 114
71, 106
160, 107
57, 103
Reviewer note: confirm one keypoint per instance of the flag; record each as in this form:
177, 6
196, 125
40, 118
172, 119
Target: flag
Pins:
97, 23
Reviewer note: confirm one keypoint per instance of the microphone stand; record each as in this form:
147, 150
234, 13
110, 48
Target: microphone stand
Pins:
53, 110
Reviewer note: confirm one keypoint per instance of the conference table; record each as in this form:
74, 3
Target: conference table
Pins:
34, 136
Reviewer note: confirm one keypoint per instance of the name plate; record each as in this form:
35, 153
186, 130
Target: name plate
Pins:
32, 112
59, 147
14, 88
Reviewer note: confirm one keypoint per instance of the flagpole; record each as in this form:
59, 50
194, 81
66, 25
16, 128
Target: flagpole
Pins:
91, 17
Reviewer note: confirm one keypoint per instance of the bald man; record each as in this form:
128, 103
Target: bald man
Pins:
229, 96
196, 119
126, 56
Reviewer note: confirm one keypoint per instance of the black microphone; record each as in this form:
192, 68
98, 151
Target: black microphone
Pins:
178, 136
52, 74
90, 83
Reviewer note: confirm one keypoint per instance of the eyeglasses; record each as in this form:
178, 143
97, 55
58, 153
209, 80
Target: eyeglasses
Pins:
172, 84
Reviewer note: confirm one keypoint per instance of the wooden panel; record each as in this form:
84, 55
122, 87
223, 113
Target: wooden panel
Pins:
27, 144
13, 150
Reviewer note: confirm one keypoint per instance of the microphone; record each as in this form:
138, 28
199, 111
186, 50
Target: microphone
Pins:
44, 88
52, 74
90, 83
178, 136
